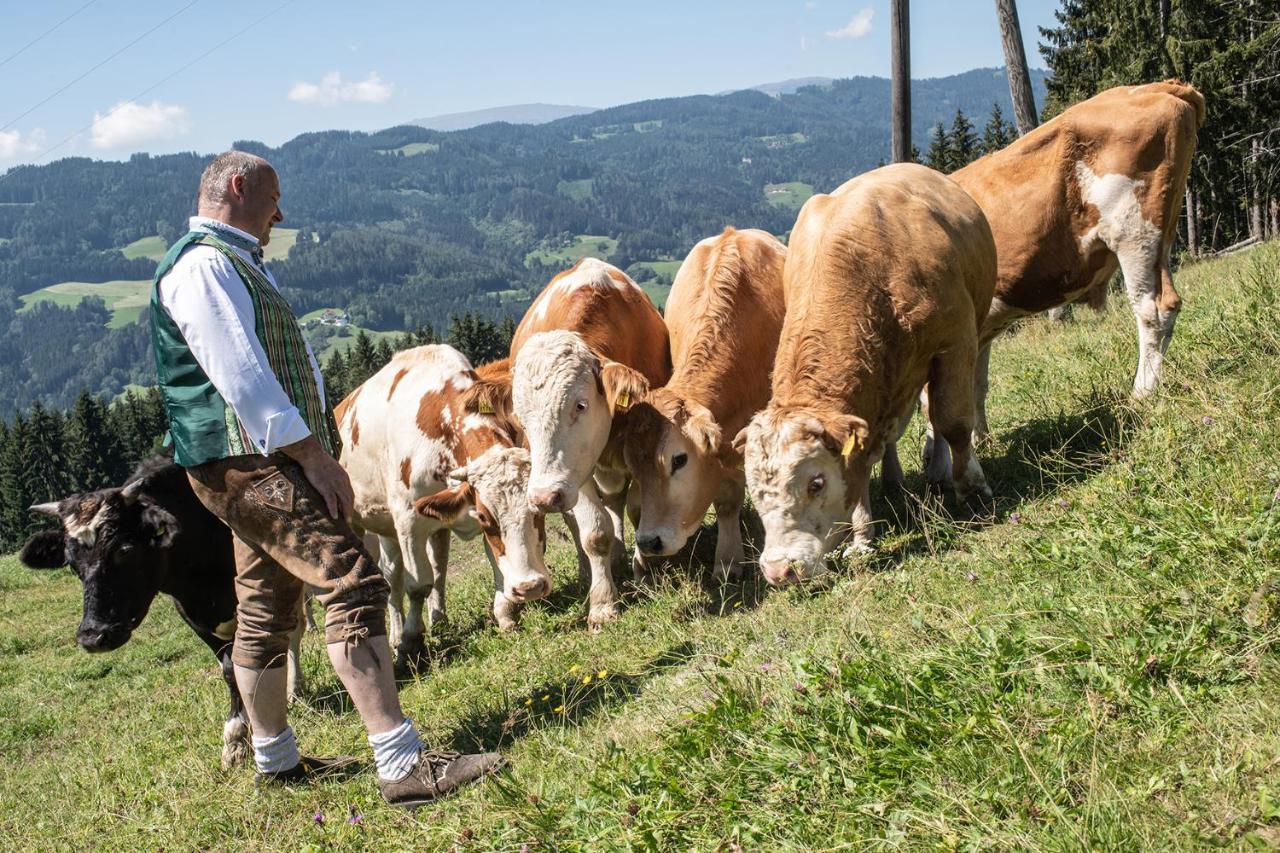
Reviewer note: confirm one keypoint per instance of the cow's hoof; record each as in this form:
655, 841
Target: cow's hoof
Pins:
437, 619
980, 503
507, 625
236, 748
600, 615
728, 571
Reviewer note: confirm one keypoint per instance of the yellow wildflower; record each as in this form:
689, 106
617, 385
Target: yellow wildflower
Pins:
586, 679
559, 709
602, 673
573, 668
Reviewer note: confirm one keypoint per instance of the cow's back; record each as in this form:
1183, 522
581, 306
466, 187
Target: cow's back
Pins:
881, 275
609, 311
724, 315
1031, 193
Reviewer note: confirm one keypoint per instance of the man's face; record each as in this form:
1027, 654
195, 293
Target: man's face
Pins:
261, 204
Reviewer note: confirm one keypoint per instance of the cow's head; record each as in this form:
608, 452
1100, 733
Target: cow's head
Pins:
800, 466
565, 397
115, 540
675, 451
490, 492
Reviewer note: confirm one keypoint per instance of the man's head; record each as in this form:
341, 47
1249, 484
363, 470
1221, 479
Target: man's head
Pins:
243, 191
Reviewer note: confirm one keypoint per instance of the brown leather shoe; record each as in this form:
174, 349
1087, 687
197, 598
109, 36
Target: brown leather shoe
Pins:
438, 773
309, 769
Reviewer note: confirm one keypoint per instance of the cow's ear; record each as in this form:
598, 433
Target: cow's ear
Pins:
622, 386
45, 550
701, 428
448, 505
846, 435
488, 397
159, 523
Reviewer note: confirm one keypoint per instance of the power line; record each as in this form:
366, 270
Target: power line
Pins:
157, 84
31, 43
99, 65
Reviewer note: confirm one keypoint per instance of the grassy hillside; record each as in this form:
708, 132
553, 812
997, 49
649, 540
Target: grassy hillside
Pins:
126, 299
1096, 669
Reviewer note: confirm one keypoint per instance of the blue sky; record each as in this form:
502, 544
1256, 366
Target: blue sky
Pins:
363, 66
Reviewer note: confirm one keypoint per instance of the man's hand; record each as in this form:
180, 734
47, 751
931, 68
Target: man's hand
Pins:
324, 472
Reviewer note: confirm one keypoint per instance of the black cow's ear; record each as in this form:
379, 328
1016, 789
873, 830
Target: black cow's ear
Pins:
46, 550
159, 523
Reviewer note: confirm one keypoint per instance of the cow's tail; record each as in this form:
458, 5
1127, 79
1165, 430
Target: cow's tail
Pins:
1186, 92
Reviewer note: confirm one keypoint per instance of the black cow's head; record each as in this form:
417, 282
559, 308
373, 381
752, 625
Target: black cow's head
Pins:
116, 542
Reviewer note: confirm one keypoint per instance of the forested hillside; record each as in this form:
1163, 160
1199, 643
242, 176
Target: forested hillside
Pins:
408, 226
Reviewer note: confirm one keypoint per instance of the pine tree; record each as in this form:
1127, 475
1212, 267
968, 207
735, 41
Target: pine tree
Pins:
46, 470
93, 454
963, 142
507, 331
939, 154
362, 360
334, 372
998, 133
16, 521
383, 353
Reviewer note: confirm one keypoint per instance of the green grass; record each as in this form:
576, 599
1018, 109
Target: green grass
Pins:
791, 196
282, 240
1096, 669
126, 299
412, 149
583, 246
152, 247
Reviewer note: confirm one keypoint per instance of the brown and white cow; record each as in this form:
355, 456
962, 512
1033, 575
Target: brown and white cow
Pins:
887, 280
724, 316
1098, 186
590, 345
430, 451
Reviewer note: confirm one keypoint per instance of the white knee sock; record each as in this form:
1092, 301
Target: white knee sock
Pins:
396, 751
274, 754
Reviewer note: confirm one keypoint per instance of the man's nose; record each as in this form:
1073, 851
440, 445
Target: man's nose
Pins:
279, 217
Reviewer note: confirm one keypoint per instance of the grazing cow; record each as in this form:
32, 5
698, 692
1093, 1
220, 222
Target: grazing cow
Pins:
126, 544
887, 280
724, 316
1098, 186
422, 421
590, 345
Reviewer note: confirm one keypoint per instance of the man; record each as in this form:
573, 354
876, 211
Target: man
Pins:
247, 418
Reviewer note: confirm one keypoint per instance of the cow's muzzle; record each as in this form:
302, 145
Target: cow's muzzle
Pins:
103, 638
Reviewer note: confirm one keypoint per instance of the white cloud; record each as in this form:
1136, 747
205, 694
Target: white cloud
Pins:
857, 27
128, 124
14, 146
331, 90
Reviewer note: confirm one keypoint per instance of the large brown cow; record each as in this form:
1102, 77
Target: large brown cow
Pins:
1098, 186
430, 450
590, 345
886, 282
724, 315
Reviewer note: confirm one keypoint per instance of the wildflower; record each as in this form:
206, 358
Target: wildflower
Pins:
573, 668
604, 673
971, 577
766, 666
586, 679
318, 817
546, 696
737, 604
528, 701
559, 709
801, 689
1015, 518
1207, 420
1063, 502
354, 817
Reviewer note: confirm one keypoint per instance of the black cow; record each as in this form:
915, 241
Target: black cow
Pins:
129, 543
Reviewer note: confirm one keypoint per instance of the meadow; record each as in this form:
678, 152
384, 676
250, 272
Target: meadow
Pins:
1093, 668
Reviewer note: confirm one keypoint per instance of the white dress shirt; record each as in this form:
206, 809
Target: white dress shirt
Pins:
205, 297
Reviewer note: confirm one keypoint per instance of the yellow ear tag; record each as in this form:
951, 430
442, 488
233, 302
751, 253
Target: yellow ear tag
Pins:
485, 408
854, 443
624, 400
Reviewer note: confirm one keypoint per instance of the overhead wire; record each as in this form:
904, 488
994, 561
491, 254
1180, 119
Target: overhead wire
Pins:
37, 106
40, 37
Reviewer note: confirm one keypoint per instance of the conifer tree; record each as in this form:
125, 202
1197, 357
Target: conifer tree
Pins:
939, 153
998, 133
93, 454
963, 142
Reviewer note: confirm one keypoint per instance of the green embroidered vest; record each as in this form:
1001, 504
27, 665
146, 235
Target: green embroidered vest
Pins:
202, 426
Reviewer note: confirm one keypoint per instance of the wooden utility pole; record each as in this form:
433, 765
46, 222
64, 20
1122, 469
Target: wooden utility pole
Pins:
1015, 62
900, 48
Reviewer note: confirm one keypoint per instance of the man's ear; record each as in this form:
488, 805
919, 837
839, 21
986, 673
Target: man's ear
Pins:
45, 550
622, 386
448, 505
160, 523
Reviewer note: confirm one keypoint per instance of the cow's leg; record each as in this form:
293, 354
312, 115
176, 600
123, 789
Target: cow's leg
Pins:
294, 663
640, 573
505, 611
1155, 307
892, 480
584, 564
730, 554
861, 523
438, 556
612, 489
936, 456
393, 569
417, 583
981, 385
951, 413
596, 530
236, 746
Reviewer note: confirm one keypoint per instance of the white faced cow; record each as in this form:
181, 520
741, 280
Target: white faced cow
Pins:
430, 451
589, 347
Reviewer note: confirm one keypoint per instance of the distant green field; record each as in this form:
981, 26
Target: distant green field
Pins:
791, 196
152, 247
282, 240
576, 190
657, 292
583, 246
783, 140
412, 149
666, 269
126, 299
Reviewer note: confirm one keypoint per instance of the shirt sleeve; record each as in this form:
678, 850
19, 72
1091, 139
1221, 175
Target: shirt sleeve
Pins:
210, 305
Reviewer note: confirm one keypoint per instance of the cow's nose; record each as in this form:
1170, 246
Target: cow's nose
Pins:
102, 639
531, 590
547, 500
651, 544
780, 572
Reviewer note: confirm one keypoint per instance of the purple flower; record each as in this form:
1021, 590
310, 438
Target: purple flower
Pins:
1063, 502
1015, 518
318, 817
971, 577
354, 817
766, 666
1206, 420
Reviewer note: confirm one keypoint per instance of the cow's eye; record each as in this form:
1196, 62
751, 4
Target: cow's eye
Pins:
817, 484
679, 461
581, 405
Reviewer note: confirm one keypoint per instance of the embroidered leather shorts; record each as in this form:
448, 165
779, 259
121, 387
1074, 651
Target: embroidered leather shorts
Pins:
284, 539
